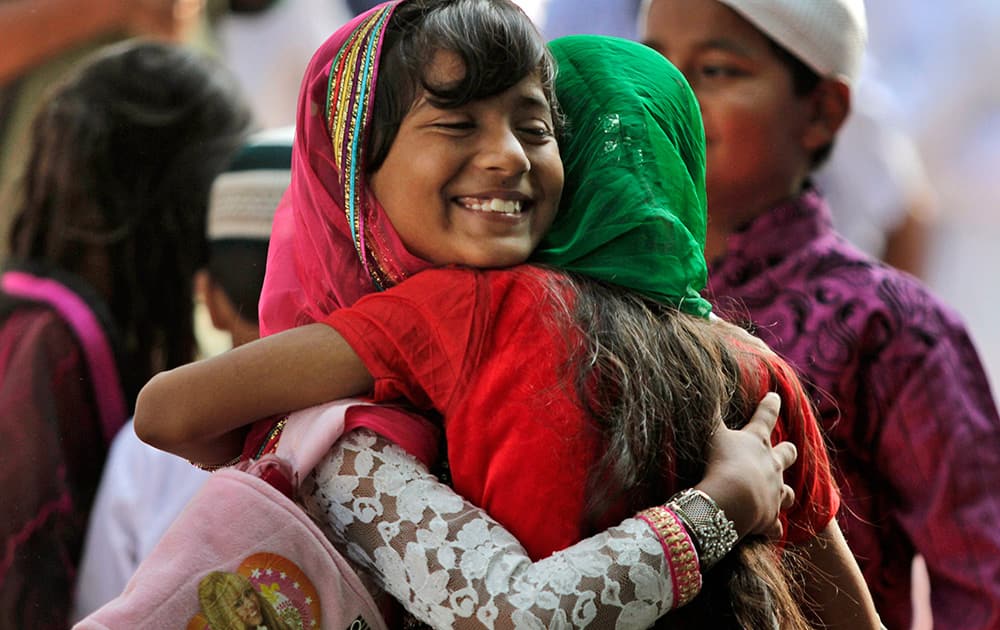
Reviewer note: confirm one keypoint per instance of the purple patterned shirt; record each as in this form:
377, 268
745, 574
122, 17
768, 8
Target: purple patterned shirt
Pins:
902, 395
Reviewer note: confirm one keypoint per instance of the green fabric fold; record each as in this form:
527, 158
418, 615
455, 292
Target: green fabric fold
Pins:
633, 211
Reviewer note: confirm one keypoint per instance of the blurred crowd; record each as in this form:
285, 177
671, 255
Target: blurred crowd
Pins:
912, 179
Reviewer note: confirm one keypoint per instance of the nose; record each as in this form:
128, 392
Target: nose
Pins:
502, 151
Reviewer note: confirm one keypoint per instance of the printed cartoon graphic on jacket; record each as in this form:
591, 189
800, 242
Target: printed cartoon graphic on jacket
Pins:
266, 591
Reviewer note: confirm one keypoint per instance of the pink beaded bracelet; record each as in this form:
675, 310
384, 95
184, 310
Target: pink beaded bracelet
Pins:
678, 550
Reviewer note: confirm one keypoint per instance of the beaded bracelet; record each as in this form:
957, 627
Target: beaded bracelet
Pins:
678, 550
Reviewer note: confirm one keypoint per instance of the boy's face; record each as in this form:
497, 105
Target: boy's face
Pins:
476, 185
755, 126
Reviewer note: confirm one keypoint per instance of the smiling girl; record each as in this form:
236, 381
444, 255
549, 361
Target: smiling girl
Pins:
500, 353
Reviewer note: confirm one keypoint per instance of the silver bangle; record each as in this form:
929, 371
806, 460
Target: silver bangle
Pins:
714, 535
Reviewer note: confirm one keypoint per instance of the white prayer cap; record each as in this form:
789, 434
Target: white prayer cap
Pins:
829, 36
245, 196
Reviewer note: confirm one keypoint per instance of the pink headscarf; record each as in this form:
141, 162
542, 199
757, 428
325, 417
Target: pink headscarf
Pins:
331, 242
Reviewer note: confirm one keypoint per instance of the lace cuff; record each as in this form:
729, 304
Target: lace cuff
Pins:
452, 566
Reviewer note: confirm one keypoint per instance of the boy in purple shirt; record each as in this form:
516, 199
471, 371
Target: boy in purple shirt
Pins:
896, 380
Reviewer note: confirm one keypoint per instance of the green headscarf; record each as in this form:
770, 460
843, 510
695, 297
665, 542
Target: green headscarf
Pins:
633, 209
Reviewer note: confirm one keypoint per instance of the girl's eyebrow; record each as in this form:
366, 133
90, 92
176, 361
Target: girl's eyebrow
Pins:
532, 98
422, 102
528, 101
533, 101
426, 106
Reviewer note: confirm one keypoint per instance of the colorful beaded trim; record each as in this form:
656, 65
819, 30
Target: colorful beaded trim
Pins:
349, 98
271, 442
679, 551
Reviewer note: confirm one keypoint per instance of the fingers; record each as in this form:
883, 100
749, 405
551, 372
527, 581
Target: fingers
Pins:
787, 496
775, 530
785, 454
765, 417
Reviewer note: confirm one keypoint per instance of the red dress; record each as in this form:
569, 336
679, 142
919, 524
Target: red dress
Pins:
483, 349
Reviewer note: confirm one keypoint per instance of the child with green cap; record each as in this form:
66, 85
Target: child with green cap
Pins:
898, 384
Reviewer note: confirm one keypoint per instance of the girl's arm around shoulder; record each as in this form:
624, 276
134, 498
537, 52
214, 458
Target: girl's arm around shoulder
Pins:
198, 411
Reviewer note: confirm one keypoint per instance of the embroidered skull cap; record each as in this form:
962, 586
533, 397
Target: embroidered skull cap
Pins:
827, 35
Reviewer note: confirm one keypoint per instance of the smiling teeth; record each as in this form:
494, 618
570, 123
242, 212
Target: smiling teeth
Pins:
503, 206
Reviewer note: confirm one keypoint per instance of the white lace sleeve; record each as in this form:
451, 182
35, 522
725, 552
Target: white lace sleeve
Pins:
452, 566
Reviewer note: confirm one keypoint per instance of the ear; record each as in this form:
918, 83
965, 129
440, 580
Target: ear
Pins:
831, 102
220, 308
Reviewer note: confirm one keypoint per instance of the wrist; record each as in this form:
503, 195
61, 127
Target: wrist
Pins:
731, 503
712, 532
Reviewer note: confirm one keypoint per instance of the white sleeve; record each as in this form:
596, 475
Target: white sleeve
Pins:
110, 550
452, 566
142, 491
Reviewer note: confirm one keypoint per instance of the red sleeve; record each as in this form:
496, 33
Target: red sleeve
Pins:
817, 498
421, 338
415, 434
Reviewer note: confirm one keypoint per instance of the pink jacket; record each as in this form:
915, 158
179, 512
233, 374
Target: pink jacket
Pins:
254, 535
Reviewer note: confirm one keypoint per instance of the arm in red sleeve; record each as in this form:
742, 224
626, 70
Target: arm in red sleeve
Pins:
418, 339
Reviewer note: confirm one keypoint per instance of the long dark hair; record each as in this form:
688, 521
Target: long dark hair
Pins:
496, 41
116, 189
656, 381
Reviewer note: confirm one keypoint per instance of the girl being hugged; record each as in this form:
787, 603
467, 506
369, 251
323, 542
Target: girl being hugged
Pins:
572, 394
